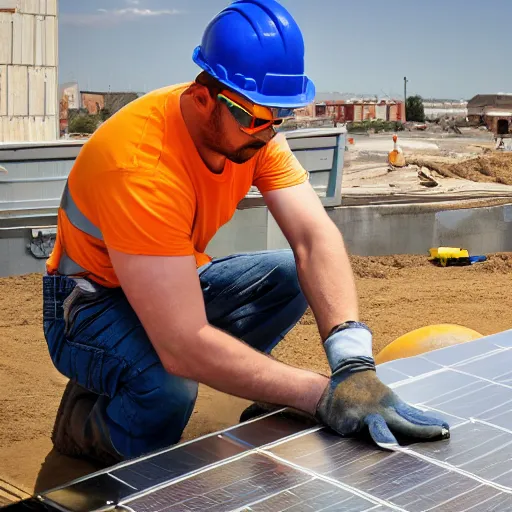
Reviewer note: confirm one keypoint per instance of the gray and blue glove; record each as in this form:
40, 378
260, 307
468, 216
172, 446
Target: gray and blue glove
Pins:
355, 398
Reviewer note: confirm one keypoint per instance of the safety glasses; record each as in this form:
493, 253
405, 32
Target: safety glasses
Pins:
259, 119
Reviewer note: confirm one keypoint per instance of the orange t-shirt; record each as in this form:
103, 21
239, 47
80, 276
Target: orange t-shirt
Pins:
141, 181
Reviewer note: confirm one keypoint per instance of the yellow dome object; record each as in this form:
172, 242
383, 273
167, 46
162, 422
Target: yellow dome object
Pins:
426, 339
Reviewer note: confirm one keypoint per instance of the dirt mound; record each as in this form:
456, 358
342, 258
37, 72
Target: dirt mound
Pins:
383, 267
492, 167
388, 267
500, 263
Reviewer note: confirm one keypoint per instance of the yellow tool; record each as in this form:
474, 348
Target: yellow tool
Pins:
446, 256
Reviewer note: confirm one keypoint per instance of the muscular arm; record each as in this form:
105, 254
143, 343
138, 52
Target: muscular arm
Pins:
355, 399
323, 266
166, 295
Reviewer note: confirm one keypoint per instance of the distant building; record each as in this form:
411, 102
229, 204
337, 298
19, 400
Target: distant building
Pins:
493, 110
91, 102
69, 99
435, 109
69, 94
342, 108
94, 102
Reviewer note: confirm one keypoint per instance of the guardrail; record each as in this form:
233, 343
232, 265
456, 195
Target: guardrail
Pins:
34, 174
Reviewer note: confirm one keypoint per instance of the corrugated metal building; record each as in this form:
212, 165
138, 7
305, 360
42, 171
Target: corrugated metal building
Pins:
358, 113
28, 70
392, 113
381, 111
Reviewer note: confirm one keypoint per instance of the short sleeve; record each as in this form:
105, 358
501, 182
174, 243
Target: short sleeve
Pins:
277, 167
145, 215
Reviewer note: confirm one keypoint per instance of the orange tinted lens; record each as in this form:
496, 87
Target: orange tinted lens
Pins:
245, 118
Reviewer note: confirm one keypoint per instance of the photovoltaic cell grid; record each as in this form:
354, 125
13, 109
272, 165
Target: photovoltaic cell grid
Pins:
288, 463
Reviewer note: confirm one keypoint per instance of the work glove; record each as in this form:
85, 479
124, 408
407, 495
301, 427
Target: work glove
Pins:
355, 398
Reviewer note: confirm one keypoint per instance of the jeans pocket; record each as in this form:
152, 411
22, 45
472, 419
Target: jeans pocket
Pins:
67, 306
78, 301
91, 367
85, 364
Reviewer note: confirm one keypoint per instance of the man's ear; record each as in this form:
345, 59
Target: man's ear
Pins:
202, 98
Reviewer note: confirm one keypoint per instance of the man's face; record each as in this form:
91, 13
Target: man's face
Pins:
225, 135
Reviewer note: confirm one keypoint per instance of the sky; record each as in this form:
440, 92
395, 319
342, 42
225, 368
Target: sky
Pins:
446, 48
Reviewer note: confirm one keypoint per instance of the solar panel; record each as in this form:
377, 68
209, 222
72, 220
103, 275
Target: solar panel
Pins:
285, 462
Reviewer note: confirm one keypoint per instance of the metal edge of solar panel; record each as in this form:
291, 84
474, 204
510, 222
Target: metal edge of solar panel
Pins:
459, 471
64, 496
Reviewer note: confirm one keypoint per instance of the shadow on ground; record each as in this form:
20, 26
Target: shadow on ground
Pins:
58, 470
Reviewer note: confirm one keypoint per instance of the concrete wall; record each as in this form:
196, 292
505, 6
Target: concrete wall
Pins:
384, 230
381, 230
247, 232
368, 231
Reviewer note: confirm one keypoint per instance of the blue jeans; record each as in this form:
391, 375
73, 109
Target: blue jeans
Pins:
96, 339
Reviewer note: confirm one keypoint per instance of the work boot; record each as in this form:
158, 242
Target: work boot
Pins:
80, 429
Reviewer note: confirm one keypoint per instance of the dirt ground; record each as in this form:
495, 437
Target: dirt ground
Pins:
494, 167
397, 294
464, 166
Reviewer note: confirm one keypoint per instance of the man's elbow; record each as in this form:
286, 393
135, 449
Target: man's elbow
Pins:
317, 239
180, 355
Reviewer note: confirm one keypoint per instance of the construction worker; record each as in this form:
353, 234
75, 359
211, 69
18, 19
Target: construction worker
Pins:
136, 314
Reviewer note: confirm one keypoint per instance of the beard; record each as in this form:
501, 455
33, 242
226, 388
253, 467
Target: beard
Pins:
245, 153
216, 140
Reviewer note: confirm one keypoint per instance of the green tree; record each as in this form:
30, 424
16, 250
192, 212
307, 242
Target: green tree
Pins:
83, 123
414, 109
105, 114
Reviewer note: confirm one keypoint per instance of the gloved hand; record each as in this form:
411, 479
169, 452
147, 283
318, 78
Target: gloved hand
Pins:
355, 397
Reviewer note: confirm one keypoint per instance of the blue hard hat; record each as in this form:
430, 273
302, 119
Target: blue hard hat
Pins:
255, 47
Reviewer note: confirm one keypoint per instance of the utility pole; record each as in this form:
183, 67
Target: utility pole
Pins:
405, 98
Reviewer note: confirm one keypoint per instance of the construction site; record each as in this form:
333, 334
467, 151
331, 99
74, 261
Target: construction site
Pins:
399, 199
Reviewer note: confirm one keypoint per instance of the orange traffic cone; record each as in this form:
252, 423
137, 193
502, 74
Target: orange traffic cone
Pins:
396, 157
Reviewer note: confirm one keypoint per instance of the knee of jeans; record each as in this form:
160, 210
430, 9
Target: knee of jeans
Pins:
166, 409
181, 392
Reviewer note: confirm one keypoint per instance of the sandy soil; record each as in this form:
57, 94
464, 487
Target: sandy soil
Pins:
397, 295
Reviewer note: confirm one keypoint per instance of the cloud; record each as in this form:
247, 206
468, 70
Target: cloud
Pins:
104, 17
136, 12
